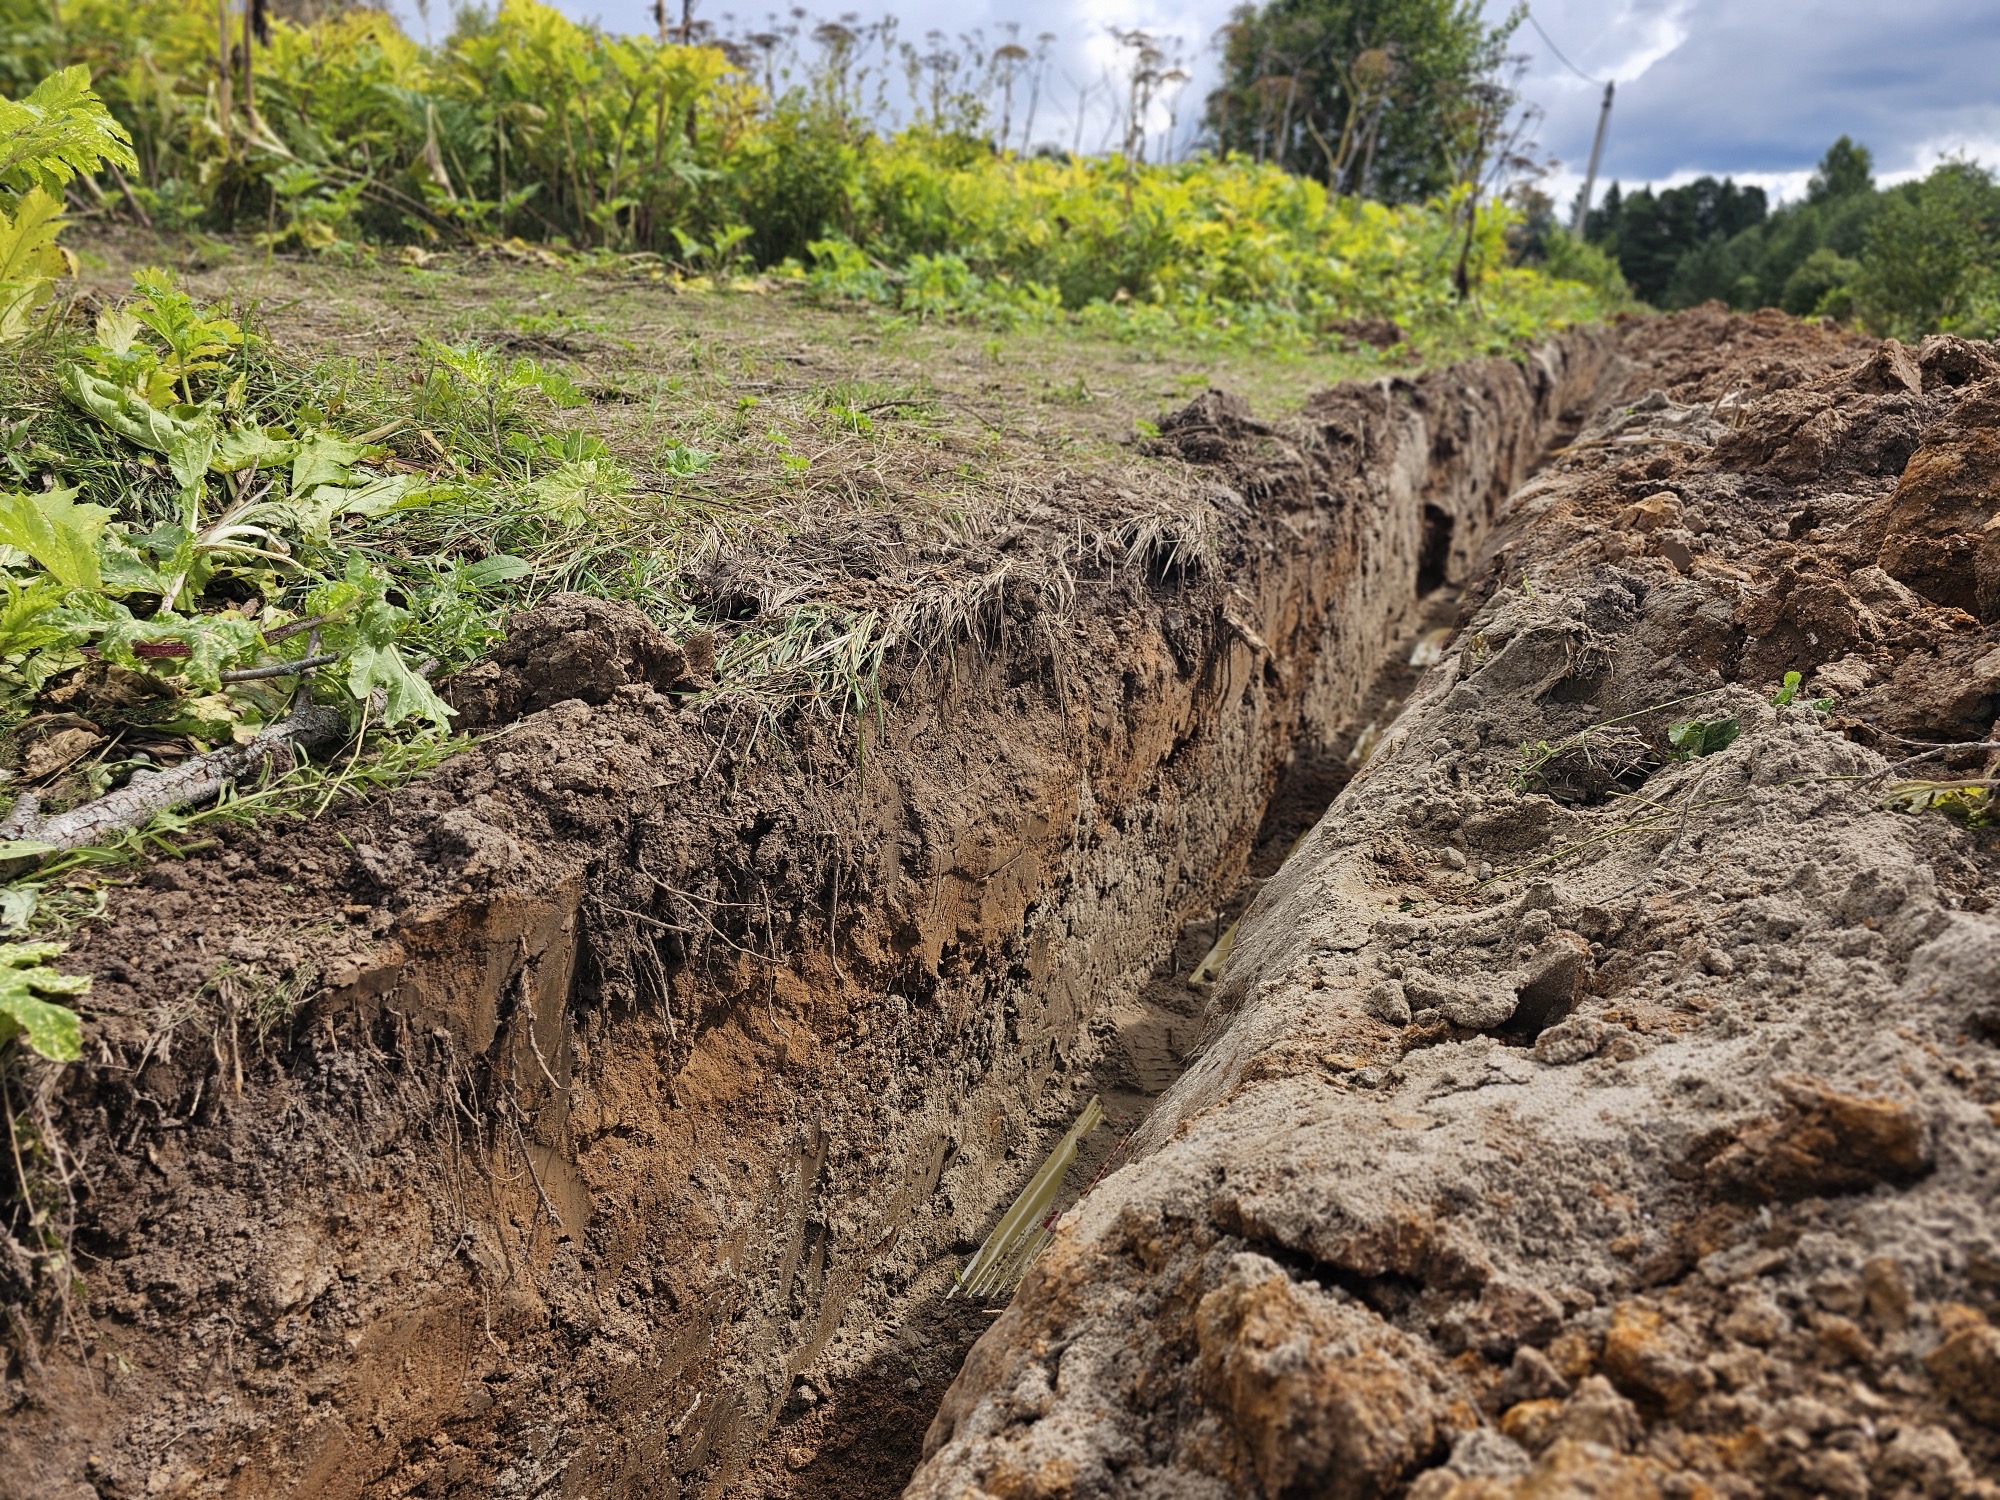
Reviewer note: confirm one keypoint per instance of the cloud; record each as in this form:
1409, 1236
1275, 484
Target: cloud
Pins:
1750, 88
1759, 91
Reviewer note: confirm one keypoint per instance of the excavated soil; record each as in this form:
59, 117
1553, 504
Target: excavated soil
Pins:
606, 1113
1578, 1117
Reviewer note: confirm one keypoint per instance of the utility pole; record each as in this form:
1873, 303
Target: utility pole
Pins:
249, 51
1590, 177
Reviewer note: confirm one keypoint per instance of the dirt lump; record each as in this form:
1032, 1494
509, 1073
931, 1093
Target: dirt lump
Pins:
576, 646
1942, 538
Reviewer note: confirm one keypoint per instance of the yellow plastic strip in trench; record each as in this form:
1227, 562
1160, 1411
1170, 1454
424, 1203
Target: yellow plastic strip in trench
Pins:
1023, 1230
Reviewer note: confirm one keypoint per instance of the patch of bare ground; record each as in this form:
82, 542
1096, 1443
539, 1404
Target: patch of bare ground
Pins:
554, 1123
1596, 1106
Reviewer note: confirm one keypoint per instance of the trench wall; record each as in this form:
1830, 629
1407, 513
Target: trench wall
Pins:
593, 1208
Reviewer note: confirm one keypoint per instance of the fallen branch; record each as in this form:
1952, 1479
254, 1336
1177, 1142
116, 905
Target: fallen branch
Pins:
286, 632
280, 669
190, 784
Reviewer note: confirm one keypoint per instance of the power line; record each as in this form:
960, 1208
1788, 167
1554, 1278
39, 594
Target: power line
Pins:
1558, 51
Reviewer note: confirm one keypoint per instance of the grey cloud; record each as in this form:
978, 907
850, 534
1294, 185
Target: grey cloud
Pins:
1763, 89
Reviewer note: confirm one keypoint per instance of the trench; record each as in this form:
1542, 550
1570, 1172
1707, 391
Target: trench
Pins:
860, 1433
861, 1437
677, 1226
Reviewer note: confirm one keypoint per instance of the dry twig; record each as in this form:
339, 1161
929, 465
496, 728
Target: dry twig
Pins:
193, 782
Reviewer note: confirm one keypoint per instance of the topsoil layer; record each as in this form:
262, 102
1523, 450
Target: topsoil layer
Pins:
1593, 1107
579, 1119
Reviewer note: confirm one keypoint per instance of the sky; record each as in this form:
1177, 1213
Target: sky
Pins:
1756, 89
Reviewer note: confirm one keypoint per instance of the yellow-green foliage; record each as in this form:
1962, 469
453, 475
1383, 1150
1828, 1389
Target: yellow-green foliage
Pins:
525, 123
1200, 246
60, 129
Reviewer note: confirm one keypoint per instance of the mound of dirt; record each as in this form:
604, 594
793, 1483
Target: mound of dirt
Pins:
577, 646
1604, 1099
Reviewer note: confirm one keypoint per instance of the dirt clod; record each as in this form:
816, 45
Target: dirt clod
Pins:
576, 646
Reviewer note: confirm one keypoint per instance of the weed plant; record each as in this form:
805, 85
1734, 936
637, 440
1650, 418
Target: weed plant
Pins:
670, 158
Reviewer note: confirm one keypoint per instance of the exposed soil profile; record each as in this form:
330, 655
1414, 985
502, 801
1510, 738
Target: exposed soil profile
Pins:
579, 1118
864, 1437
1573, 1120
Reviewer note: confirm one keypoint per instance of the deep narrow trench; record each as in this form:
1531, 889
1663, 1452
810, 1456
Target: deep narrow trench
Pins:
860, 1435
861, 1438
710, 1251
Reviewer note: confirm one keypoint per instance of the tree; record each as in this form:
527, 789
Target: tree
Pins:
1821, 284
1653, 233
1601, 223
1918, 258
1357, 93
1845, 170
1930, 258
1710, 271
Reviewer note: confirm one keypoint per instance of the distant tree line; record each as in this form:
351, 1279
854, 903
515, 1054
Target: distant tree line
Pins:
1919, 257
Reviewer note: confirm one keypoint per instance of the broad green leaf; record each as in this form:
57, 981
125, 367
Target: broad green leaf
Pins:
17, 902
571, 493
25, 975
209, 716
194, 336
311, 514
56, 532
124, 569
117, 332
25, 618
1695, 737
60, 130
30, 260
324, 459
42, 667
184, 434
405, 694
189, 453
378, 496
373, 661
213, 642
341, 598
685, 462
491, 571
240, 448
